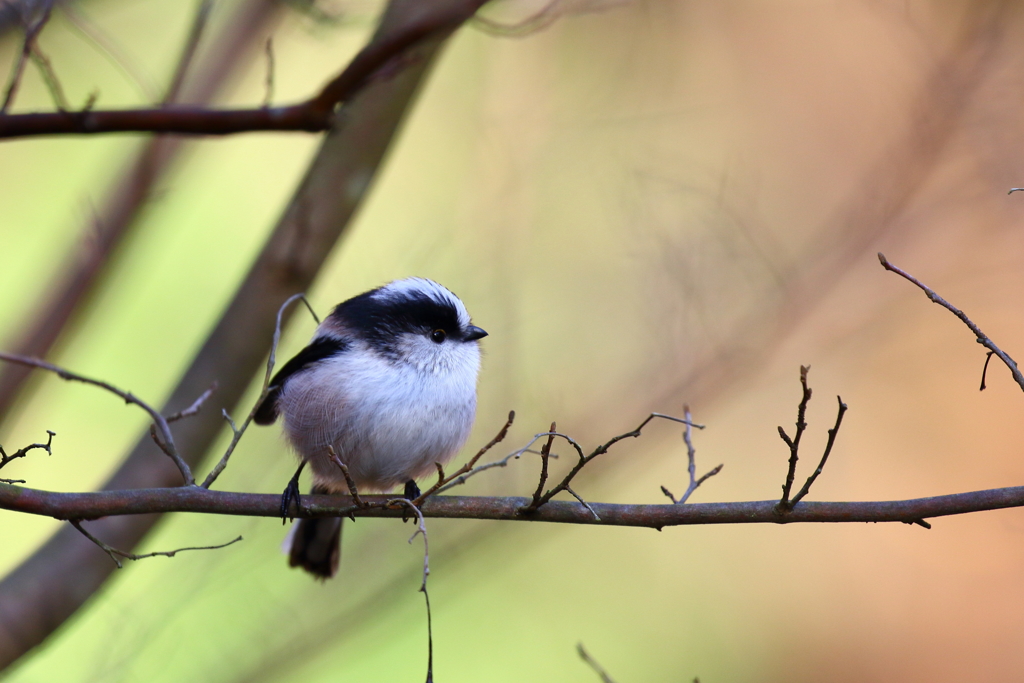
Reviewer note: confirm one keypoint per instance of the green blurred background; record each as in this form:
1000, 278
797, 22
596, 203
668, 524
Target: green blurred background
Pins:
645, 203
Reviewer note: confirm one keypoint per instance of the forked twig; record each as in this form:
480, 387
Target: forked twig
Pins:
691, 463
115, 553
32, 31
786, 504
22, 452
196, 405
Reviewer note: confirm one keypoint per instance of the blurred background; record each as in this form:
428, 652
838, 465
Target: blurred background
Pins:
646, 204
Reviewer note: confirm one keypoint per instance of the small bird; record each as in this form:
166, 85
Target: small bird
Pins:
389, 383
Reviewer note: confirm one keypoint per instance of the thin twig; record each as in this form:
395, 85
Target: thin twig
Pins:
545, 451
592, 663
691, 463
824, 458
32, 30
111, 51
239, 432
421, 530
45, 67
981, 337
196, 405
268, 81
466, 471
348, 478
166, 440
794, 443
115, 553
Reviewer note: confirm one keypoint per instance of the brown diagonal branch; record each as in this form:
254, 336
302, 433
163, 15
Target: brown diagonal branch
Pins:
32, 31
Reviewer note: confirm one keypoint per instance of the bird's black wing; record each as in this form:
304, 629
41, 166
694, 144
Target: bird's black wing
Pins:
318, 350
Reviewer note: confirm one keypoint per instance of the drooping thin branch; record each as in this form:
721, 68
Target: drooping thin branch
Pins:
980, 336
32, 30
239, 432
22, 452
805, 489
313, 115
691, 462
166, 439
592, 663
115, 553
421, 530
794, 443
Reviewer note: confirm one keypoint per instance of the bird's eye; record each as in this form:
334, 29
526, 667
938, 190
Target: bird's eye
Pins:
438, 336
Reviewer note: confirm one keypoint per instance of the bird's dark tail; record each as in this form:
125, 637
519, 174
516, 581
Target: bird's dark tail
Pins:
316, 544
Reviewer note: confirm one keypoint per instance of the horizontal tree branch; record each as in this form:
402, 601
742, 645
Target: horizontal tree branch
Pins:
313, 115
195, 499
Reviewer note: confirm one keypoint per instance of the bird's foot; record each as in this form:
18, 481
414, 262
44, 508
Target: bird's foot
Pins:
412, 491
291, 493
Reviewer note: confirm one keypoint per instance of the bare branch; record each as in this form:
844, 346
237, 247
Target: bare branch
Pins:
545, 452
45, 67
313, 115
115, 553
981, 337
166, 440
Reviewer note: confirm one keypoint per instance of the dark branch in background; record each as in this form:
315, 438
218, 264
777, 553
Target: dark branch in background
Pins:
83, 266
114, 553
691, 462
980, 336
46, 589
22, 452
313, 115
32, 30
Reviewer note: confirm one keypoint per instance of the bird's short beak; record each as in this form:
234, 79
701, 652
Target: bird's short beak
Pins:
473, 333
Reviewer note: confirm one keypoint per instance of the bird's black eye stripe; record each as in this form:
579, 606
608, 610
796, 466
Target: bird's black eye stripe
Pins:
438, 336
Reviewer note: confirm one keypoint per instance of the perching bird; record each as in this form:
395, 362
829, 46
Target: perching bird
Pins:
388, 381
